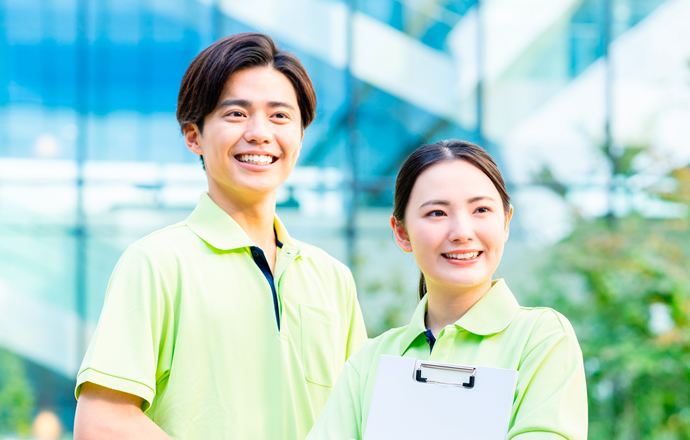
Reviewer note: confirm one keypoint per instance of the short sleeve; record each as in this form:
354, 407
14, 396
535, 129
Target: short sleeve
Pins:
130, 350
341, 418
551, 394
357, 334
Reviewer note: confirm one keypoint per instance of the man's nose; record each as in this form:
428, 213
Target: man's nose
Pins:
258, 129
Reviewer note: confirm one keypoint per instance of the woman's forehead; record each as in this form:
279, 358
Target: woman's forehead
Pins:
456, 179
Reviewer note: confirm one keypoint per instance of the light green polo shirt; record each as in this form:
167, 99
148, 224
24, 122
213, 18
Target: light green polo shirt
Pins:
550, 400
189, 326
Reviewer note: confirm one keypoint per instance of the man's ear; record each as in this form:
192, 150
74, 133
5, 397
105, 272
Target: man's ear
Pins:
401, 237
506, 227
192, 136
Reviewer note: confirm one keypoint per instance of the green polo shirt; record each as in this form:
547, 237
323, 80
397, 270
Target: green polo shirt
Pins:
189, 326
550, 399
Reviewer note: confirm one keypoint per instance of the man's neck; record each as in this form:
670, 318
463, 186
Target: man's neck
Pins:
254, 214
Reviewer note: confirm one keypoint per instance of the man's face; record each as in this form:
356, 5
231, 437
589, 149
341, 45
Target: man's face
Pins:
252, 139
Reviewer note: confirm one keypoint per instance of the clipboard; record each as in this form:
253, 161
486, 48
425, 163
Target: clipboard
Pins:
414, 399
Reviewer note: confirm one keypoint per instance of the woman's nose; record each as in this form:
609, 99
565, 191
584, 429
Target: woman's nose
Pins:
460, 229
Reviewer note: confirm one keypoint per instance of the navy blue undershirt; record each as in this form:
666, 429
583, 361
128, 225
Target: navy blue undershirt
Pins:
260, 260
430, 339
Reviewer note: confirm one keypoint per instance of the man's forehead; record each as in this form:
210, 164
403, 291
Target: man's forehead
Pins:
262, 83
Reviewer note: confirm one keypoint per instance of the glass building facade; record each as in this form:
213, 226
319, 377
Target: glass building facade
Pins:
92, 158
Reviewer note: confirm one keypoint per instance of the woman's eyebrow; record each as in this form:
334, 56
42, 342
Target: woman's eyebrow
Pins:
435, 202
478, 198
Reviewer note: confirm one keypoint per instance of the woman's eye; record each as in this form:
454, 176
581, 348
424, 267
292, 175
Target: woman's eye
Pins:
436, 213
483, 210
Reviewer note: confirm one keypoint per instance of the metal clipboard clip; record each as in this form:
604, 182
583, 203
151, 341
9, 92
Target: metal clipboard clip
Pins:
461, 369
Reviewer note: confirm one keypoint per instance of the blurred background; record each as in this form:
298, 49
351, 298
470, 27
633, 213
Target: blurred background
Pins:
584, 104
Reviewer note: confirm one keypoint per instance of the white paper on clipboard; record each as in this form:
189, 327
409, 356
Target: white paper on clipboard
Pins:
416, 400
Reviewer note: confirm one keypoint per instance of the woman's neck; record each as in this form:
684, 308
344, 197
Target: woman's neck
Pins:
445, 305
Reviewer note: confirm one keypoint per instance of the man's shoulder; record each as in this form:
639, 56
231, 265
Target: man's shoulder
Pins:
166, 239
320, 258
164, 247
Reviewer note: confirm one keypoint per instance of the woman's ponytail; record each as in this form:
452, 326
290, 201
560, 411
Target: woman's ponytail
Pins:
422, 286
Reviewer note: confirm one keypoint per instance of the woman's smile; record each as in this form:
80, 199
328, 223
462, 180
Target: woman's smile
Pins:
462, 257
456, 227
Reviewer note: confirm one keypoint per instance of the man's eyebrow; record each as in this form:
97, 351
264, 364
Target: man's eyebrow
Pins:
246, 104
435, 202
274, 104
237, 102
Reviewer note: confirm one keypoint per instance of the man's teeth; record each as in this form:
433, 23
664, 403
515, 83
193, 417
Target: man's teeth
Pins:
255, 159
466, 256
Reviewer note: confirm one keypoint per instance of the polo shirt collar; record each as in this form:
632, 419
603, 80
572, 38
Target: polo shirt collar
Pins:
417, 326
217, 228
490, 315
281, 232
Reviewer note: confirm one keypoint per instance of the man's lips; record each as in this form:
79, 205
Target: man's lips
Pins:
256, 158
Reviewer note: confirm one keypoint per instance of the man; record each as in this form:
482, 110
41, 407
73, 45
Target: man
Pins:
223, 326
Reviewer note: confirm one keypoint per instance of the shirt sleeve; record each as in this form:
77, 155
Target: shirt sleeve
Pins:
129, 351
551, 394
341, 418
357, 335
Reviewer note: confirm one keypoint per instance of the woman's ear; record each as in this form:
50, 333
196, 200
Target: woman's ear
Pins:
400, 234
506, 227
191, 138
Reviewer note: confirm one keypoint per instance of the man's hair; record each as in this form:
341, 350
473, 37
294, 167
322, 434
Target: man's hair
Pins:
206, 76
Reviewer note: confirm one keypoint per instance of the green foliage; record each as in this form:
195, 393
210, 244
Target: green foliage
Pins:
623, 164
608, 282
387, 297
546, 178
625, 285
16, 397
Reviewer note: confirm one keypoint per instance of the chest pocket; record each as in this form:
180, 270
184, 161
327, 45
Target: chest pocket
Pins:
318, 344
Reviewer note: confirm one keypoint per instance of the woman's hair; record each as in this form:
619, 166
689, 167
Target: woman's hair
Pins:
443, 151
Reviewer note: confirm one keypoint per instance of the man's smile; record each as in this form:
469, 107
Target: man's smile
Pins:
255, 159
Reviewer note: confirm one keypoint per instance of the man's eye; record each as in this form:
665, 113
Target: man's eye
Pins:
236, 114
281, 115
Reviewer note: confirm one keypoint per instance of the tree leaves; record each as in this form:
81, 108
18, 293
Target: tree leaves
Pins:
16, 396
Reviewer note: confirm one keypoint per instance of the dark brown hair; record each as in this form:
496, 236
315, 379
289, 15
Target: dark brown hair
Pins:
206, 76
443, 151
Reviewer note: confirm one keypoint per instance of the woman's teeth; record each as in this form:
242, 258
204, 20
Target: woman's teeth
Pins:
255, 159
466, 256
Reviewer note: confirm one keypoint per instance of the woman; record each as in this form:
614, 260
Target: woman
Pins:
452, 211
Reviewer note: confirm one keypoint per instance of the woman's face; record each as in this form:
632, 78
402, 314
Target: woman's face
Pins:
455, 226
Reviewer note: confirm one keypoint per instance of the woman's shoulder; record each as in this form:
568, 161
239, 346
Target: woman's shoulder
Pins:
386, 343
543, 327
543, 320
